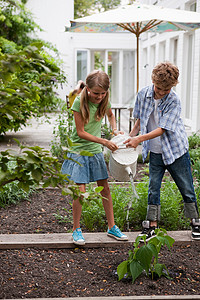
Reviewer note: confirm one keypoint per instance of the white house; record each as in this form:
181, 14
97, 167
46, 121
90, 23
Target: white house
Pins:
52, 16
117, 52
183, 49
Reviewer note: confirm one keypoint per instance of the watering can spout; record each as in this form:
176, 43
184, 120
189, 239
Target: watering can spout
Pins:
128, 170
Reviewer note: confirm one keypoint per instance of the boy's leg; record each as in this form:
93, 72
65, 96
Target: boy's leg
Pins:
181, 172
156, 172
113, 230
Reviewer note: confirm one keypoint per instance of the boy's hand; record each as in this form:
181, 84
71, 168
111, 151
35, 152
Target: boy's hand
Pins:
132, 142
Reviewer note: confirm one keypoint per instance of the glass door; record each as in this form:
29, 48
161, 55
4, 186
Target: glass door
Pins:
189, 79
112, 67
82, 64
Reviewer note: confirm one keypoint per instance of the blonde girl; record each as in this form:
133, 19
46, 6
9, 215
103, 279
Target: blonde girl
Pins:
89, 109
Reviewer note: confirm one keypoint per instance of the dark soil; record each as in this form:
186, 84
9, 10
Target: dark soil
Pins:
36, 273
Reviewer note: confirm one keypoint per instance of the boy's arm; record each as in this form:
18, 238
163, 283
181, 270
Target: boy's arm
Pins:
135, 141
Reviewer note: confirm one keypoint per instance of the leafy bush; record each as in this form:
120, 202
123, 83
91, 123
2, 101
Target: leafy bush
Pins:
194, 150
34, 166
62, 132
172, 216
145, 258
11, 194
28, 74
29, 167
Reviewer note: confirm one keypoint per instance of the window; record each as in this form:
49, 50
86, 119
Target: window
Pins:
81, 65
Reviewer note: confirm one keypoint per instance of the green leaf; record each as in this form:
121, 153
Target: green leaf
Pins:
37, 174
159, 269
170, 240
136, 270
32, 157
23, 185
98, 189
3, 175
54, 181
122, 269
153, 249
164, 241
47, 183
69, 142
66, 191
86, 153
144, 256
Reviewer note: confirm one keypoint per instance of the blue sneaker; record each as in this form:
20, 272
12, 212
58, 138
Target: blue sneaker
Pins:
77, 236
116, 233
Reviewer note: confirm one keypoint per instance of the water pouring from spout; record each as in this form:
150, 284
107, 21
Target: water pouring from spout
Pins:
122, 165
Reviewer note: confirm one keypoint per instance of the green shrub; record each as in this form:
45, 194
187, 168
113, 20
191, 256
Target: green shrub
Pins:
62, 132
11, 194
145, 258
194, 150
172, 214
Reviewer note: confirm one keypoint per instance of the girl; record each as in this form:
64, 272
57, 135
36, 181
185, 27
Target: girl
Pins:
89, 110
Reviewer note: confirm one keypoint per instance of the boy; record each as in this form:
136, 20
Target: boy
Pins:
158, 111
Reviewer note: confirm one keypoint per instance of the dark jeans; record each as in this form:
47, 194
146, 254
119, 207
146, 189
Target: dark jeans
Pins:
180, 171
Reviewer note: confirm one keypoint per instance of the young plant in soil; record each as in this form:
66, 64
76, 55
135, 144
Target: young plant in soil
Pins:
145, 258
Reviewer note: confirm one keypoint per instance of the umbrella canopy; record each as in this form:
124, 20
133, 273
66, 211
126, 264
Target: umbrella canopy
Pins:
137, 18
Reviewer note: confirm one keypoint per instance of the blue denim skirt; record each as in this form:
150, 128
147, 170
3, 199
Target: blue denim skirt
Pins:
89, 169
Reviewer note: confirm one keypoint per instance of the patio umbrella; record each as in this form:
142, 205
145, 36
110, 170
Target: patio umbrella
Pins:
137, 18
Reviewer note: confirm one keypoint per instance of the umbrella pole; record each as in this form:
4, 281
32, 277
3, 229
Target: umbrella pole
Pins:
137, 36
137, 63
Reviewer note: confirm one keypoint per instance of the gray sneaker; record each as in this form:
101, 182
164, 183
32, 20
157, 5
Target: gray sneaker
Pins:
195, 225
147, 230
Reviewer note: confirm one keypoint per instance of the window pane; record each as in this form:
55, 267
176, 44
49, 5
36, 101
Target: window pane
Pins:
81, 65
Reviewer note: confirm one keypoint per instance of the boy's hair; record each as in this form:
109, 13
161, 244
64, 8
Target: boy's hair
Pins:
165, 75
94, 79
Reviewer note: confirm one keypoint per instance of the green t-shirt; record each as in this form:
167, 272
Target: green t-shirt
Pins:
93, 127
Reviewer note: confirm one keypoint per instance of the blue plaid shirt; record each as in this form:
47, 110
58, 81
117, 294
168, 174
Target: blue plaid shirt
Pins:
174, 142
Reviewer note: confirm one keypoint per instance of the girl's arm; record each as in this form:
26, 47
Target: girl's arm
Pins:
136, 128
135, 141
89, 137
112, 121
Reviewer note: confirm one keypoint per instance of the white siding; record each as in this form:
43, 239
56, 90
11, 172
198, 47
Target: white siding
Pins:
52, 16
184, 54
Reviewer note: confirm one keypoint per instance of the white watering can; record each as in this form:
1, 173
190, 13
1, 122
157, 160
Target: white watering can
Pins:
123, 161
122, 165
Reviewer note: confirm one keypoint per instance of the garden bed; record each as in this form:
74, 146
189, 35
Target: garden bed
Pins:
35, 273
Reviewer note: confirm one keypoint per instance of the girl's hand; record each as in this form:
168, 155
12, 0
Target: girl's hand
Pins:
110, 145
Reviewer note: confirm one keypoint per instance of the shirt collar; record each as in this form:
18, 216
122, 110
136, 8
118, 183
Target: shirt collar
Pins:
150, 94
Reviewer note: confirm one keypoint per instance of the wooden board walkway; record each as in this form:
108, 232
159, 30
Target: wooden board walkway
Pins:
64, 240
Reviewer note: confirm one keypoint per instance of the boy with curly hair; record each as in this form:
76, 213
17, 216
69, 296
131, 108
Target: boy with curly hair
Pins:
158, 114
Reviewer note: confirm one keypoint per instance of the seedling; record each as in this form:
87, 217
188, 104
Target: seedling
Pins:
145, 258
